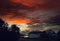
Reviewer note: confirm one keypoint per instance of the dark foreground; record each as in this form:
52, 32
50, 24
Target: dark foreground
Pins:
39, 40
13, 34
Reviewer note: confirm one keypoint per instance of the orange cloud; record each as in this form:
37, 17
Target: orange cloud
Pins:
9, 18
18, 21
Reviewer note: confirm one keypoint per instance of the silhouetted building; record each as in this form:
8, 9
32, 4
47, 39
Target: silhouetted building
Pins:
34, 34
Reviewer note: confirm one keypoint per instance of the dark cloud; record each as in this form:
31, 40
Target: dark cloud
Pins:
42, 4
39, 11
54, 20
32, 12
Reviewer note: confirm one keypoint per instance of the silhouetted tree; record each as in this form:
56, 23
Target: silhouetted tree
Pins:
3, 25
1, 22
52, 35
58, 36
3, 30
15, 28
6, 35
14, 33
44, 36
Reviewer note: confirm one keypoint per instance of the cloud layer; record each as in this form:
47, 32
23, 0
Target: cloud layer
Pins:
29, 11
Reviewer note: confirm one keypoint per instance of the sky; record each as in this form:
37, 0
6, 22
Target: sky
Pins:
29, 11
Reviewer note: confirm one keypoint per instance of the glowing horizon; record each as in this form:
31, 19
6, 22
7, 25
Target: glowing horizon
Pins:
22, 27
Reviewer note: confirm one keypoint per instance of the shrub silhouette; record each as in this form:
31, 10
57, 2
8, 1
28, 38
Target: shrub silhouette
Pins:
6, 35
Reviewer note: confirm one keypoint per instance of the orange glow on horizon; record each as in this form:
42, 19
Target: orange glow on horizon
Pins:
18, 21
9, 18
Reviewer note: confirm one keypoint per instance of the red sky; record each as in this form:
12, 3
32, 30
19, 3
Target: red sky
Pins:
50, 4
9, 9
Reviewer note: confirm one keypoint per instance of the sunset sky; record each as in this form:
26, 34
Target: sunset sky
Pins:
29, 11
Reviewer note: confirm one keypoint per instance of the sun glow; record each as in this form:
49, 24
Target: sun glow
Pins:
23, 27
18, 21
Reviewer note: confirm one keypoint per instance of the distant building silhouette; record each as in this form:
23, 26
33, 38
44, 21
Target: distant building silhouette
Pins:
34, 34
